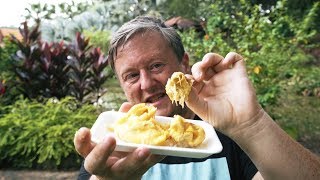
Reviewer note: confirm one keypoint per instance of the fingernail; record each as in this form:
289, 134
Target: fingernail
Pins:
198, 74
143, 154
109, 140
80, 135
106, 139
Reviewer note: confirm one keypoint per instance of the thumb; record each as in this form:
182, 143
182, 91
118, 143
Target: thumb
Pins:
125, 107
197, 105
82, 142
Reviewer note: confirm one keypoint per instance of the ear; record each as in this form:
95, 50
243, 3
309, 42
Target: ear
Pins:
185, 64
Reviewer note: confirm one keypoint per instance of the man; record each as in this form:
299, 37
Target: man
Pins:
144, 53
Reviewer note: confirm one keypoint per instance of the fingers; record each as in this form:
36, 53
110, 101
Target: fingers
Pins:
149, 162
125, 107
102, 161
211, 76
204, 69
82, 142
133, 162
197, 104
228, 62
95, 162
214, 63
240, 64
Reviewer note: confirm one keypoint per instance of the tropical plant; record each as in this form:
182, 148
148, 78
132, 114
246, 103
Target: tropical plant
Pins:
58, 70
41, 68
87, 69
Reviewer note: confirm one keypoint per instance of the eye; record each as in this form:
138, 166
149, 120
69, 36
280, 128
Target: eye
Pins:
156, 67
131, 77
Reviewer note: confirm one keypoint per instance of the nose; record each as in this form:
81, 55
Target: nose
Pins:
146, 80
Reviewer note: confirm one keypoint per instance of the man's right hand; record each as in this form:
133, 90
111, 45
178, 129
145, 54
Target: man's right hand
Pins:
104, 163
223, 94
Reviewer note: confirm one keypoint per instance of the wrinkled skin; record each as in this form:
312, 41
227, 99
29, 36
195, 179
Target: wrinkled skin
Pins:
223, 94
143, 73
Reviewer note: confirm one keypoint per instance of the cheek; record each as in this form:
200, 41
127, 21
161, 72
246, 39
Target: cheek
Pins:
132, 93
165, 109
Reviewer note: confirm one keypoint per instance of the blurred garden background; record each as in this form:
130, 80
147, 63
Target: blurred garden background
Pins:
54, 77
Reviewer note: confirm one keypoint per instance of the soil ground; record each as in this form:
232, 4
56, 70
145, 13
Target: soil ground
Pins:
37, 175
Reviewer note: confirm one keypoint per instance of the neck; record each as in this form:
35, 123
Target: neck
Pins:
190, 114
185, 112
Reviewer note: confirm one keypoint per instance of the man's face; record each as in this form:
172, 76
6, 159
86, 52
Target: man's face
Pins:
143, 66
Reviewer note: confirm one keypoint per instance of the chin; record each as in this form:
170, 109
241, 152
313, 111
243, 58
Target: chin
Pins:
164, 111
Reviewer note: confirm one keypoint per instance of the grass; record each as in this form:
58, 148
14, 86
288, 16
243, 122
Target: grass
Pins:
299, 117
298, 112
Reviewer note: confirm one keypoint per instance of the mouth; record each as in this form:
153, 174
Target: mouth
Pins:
155, 98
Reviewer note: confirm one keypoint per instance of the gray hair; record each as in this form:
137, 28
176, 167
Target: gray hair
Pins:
143, 24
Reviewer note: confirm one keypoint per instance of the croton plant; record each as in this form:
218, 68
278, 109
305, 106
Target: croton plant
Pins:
57, 69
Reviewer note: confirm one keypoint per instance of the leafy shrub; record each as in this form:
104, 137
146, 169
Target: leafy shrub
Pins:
115, 96
87, 69
99, 38
306, 82
7, 92
41, 69
36, 135
298, 116
56, 69
272, 43
6, 50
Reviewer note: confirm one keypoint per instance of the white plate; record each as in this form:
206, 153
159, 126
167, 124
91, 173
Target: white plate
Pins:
210, 145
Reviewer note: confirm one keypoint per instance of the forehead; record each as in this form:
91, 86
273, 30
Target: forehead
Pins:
143, 47
148, 39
